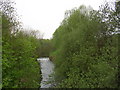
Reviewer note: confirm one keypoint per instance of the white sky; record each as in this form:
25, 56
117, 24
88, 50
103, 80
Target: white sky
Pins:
46, 15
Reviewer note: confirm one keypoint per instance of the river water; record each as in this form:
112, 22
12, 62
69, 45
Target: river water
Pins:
47, 70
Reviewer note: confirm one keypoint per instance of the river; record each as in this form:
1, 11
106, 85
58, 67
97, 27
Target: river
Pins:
47, 68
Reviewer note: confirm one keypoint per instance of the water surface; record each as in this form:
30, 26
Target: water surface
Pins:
46, 69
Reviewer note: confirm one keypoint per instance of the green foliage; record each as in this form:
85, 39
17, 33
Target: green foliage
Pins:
85, 54
20, 68
84, 49
44, 47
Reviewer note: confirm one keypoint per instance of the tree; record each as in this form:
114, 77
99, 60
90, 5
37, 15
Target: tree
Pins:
20, 68
85, 52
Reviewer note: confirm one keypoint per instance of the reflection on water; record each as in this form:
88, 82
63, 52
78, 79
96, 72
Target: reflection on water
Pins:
46, 69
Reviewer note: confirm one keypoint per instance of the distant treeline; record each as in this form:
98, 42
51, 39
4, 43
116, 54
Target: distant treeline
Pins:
86, 48
45, 47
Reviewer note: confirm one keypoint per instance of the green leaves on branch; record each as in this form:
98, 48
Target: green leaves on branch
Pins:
85, 52
20, 68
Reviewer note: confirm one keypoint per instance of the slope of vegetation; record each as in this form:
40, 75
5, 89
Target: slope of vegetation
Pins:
20, 68
85, 50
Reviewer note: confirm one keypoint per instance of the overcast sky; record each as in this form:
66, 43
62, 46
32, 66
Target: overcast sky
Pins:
46, 15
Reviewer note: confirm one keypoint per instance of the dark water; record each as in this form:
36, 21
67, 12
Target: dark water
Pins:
46, 69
